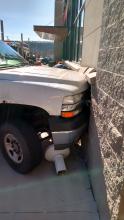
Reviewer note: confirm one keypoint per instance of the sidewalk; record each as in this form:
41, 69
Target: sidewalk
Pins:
42, 195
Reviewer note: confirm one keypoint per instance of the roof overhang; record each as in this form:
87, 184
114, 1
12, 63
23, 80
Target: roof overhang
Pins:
51, 32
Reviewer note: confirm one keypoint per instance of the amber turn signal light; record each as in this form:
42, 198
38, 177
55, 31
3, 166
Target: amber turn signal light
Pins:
67, 114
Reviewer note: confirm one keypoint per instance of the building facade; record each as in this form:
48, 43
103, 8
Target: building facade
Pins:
73, 16
96, 39
70, 14
91, 32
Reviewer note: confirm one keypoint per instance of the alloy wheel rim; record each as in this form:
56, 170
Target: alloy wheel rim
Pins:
13, 148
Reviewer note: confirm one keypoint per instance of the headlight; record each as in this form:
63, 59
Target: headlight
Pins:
72, 99
71, 105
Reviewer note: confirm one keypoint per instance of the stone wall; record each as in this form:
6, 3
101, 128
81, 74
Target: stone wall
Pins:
108, 102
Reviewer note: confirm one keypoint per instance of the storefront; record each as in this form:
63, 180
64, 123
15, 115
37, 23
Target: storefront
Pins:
73, 20
67, 31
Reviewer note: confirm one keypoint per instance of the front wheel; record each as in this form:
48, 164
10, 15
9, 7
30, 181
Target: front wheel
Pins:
20, 146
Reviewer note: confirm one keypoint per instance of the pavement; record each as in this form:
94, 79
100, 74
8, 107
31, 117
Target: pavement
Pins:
42, 195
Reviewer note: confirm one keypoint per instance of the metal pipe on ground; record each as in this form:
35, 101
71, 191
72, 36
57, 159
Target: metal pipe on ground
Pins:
57, 156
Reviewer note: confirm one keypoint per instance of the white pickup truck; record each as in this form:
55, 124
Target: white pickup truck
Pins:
37, 99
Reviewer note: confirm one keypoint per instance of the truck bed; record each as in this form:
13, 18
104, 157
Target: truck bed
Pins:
42, 195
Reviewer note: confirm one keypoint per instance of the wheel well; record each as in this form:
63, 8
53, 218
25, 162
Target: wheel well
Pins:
36, 116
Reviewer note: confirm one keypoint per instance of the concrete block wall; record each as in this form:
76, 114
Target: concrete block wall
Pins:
107, 110
110, 101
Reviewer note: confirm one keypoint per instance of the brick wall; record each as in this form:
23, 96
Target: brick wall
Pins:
108, 102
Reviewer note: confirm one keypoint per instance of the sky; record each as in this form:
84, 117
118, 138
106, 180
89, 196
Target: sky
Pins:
19, 16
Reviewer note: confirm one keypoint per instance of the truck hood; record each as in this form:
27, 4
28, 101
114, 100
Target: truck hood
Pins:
69, 80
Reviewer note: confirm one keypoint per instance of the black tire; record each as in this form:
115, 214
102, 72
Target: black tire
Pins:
26, 141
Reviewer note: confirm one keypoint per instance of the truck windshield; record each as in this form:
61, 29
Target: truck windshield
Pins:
9, 57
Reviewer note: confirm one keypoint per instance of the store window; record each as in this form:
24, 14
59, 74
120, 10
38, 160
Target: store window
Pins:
73, 19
